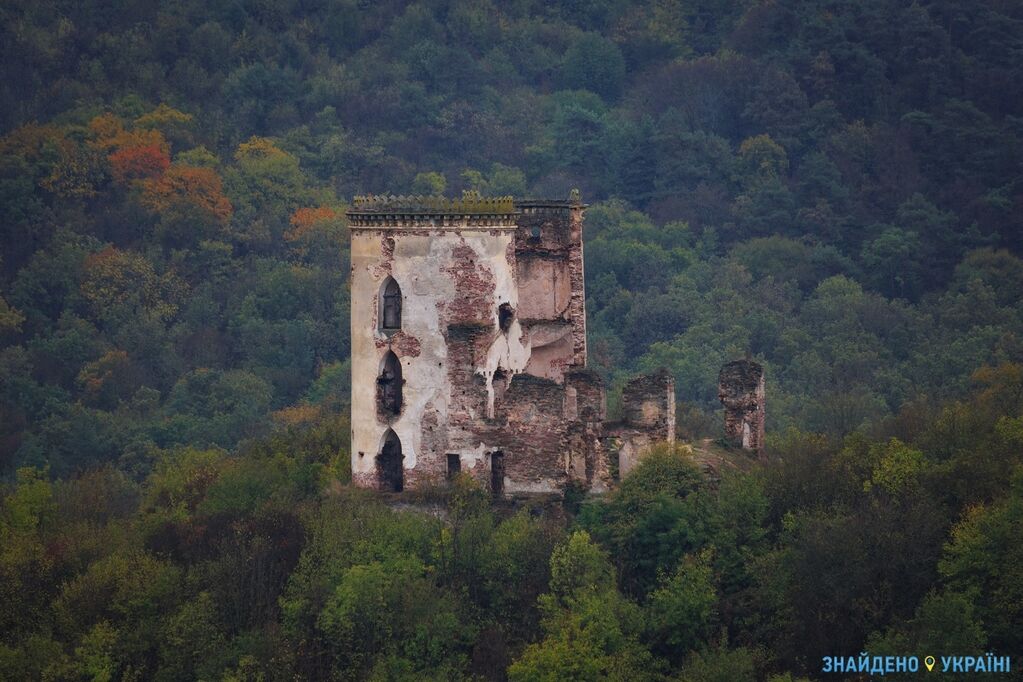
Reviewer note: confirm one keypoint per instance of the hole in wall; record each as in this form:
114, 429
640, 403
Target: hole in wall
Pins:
505, 316
497, 473
454, 465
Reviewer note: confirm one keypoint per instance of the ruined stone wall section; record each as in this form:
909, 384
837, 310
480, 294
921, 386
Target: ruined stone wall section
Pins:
549, 255
577, 306
469, 397
648, 406
591, 397
648, 402
741, 389
544, 442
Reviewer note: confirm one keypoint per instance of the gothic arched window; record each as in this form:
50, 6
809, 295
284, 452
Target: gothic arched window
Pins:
390, 306
389, 384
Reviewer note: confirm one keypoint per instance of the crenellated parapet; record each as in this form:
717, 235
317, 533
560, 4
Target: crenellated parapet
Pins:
471, 210
468, 203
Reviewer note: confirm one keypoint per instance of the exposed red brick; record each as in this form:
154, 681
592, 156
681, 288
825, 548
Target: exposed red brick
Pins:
474, 284
404, 345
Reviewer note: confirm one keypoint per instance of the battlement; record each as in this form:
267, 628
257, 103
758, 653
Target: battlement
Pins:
528, 206
417, 211
470, 210
469, 203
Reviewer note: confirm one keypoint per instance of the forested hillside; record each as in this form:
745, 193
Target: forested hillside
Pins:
834, 187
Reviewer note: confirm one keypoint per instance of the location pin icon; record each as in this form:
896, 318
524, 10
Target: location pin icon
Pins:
929, 662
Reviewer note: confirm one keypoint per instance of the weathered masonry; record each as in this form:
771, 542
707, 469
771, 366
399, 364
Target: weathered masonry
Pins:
469, 350
741, 391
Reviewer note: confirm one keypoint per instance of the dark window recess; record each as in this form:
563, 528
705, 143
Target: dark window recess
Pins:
389, 386
454, 465
390, 304
500, 385
505, 315
497, 473
390, 471
534, 233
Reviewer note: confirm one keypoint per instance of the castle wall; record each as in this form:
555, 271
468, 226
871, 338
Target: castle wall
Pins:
491, 351
447, 277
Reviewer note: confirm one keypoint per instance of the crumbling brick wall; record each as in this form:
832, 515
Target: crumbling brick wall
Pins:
741, 391
648, 417
549, 274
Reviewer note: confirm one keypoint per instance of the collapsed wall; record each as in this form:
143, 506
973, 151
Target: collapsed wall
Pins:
648, 416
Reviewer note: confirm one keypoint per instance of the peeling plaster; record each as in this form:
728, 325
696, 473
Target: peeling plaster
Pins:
507, 353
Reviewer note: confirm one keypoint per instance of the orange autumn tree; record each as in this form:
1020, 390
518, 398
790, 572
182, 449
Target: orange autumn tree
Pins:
133, 154
133, 163
313, 229
106, 381
78, 172
30, 141
187, 187
109, 134
59, 164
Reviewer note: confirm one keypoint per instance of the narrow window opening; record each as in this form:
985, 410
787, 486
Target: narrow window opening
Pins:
497, 473
499, 385
534, 233
390, 470
389, 384
454, 465
505, 315
390, 306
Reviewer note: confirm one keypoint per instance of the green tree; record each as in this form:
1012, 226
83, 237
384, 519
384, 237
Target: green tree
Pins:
944, 621
982, 561
430, 184
590, 630
593, 63
393, 608
652, 520
681, 610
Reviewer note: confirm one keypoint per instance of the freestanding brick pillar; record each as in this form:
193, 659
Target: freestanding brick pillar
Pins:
741, 391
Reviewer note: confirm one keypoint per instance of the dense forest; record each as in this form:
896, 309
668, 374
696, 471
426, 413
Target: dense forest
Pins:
833, 187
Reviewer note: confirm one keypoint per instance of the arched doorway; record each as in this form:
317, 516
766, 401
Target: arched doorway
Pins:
390, 470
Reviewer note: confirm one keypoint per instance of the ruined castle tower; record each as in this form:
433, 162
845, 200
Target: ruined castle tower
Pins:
469, 348
741, 391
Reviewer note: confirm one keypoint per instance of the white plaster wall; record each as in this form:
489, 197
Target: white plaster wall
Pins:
420, 258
